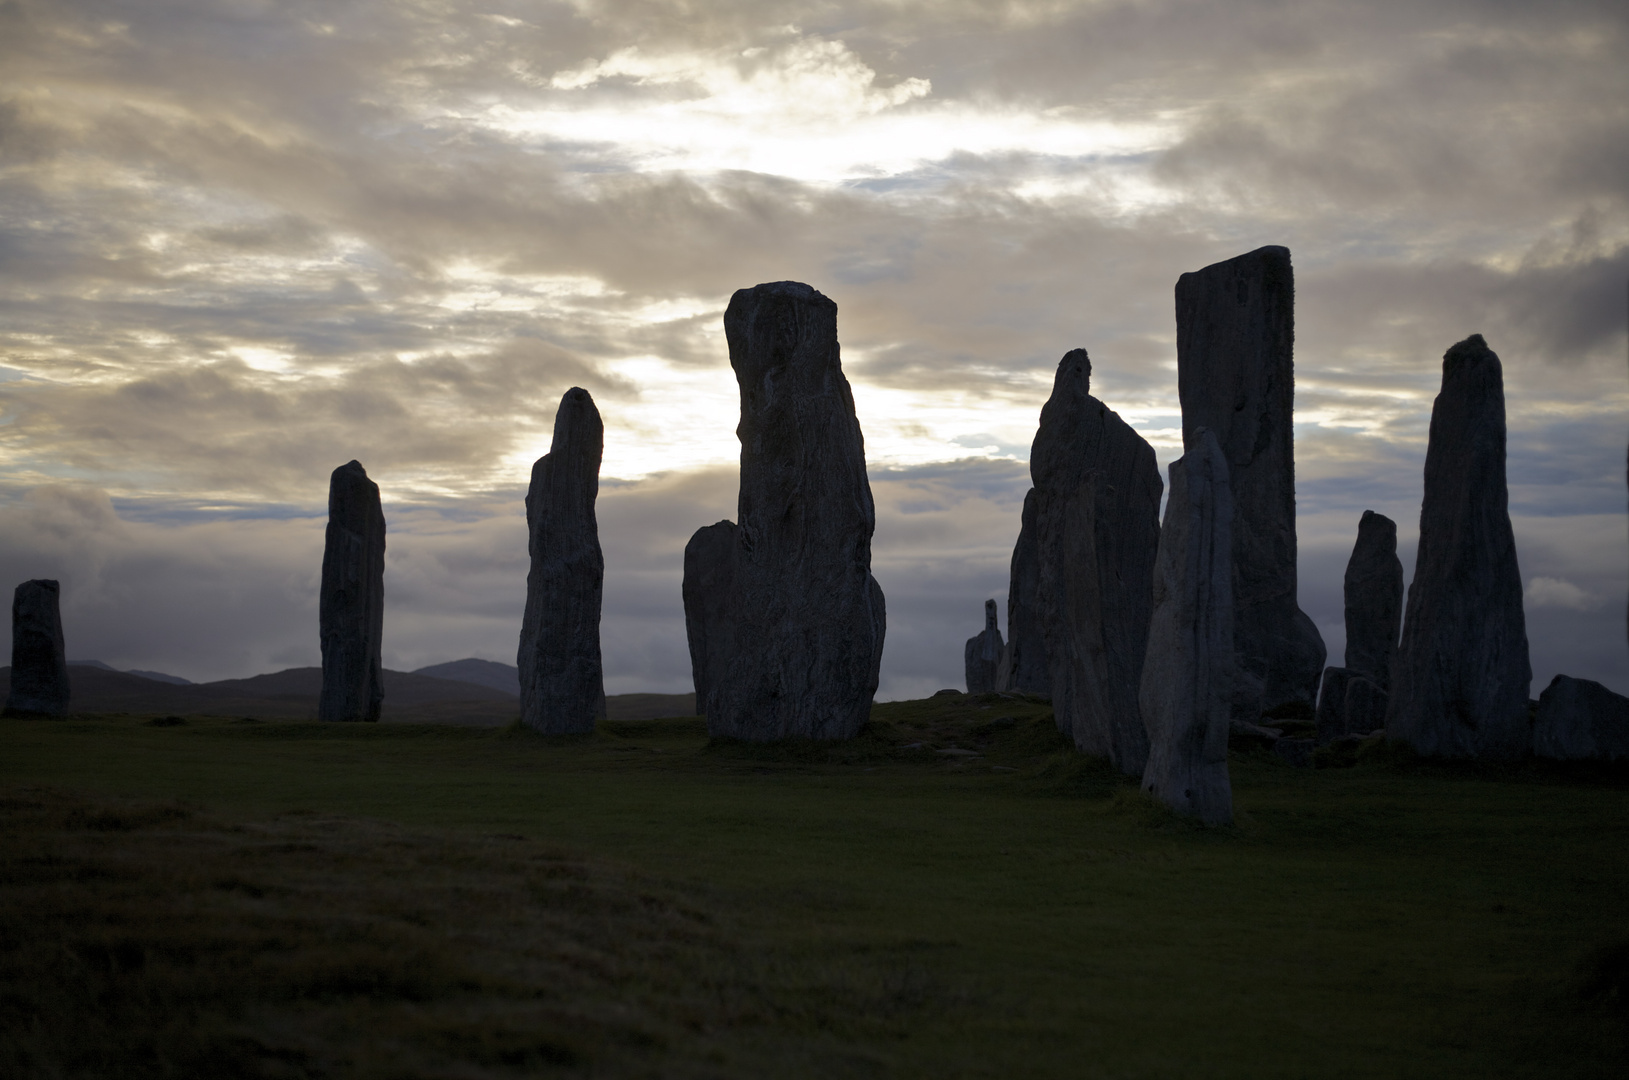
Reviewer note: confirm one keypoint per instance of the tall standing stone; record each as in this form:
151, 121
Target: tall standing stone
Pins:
1374, 612
1187, 680
808, 615
1459, 686
351, 611
982, 656
1236, 377
562, 683
1023, 660
39, 660
1097, 494
709, 604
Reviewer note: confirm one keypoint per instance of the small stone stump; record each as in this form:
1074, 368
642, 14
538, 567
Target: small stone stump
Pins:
351, 610
982, 655
1187, 679
39, 664
709, 604
562, 684
1581, 720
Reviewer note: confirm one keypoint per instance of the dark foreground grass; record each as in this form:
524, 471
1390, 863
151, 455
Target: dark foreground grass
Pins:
952, 894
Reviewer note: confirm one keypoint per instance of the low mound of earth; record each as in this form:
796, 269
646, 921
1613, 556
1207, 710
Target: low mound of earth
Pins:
292, 695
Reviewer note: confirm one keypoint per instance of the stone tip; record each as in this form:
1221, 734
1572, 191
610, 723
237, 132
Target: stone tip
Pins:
1075, 366
1472, 350
351, 466
794, 290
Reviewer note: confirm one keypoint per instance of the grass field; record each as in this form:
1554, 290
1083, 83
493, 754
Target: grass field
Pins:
222, 897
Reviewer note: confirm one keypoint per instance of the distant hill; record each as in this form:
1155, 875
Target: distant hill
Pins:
488, 673
156, 676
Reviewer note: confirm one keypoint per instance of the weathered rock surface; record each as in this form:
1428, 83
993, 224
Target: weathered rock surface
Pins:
1331, 714
1581, 720
1187, 680
562, 681
709, 603
1459, 684
351, 609
982, 655
1365, 709
1023, 661
1097, 495
1236, 377
809, 618
1374, 599
39, 659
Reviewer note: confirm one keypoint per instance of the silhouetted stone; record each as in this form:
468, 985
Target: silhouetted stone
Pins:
562, 682
809, 618
1459, 685
1187, 680
39, 660
1365, 709
1097, 500
1023, 660
1331, 715
351, 609
1374, 599
982, 656
709, 603
1581, 720
1236, 376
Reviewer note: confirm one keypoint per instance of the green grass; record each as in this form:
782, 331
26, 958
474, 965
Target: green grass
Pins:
222, 897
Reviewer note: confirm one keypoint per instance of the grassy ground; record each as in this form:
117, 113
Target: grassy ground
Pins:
220, 897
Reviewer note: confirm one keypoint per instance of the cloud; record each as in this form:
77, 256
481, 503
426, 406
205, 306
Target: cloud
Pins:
1547, 592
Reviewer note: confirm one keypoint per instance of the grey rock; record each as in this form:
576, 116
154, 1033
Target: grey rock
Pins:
1581, 720
39, 660
1365, 710
1236, 377
1187, 680
351, 609
1023, 661
562, 681
709, 603
1297, 752
1097, 495
1459, 684
809, 618
1331, 715
1374, 599
982, 655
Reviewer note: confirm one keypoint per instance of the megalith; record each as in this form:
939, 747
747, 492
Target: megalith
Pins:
562, 683
808, 616
1236, 377
39, 659
351, 609
1459, 684
709, 604
1097, 496
1186, 692
1023, 661
982, 655
1581, 720
1374, 612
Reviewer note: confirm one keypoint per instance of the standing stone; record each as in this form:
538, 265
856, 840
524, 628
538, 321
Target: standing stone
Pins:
39, 664
1023, 661
1365, 707
982, 656
1331, 714
808, 616
709, 604
1097, 494
1236, 376
351, 611
1581, 720
1459, 686
1374, 599
1188, 678
562, 684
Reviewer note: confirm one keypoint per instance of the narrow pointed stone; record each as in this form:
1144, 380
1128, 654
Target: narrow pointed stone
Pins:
1097, 493
562, 684
1459, 685
709, 604
1236, 377
982, 655
1023, 659
1187, 680
1374, 599
351, 609
39, 659
809, 618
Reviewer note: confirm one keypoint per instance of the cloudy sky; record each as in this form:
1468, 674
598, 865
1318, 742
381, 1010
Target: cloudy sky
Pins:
245, 241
